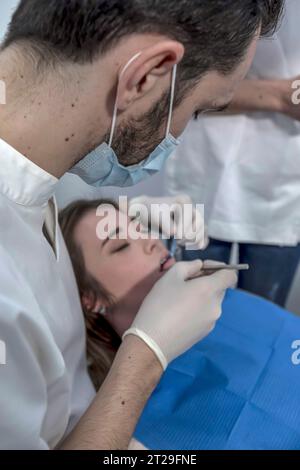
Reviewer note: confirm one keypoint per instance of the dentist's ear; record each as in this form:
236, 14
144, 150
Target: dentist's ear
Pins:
144, 74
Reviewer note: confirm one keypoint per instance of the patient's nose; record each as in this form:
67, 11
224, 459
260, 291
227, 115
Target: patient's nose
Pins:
150, 246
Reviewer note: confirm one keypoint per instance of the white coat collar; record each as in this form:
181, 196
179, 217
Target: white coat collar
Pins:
22, 181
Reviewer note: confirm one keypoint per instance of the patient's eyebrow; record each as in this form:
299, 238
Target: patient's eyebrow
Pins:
112, 235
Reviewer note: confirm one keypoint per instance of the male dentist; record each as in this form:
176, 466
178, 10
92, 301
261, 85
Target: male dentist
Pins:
94, 88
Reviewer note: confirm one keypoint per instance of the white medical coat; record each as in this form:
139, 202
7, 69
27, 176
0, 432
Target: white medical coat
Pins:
245, 169
44, 386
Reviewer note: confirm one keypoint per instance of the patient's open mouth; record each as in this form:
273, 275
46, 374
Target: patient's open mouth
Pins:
166, 262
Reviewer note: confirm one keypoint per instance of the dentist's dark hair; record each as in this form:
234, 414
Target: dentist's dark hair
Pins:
215, 33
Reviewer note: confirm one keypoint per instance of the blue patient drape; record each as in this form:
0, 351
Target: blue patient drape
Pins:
237, 389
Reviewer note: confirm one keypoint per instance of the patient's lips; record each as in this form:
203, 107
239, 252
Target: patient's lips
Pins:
167, 262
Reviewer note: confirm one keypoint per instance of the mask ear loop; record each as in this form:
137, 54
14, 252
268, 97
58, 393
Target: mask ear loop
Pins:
115, 113
173, 85
114, 119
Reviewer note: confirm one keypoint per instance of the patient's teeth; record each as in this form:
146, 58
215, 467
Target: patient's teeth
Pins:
163, 262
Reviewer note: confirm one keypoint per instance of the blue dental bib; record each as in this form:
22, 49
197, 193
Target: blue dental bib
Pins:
237, 389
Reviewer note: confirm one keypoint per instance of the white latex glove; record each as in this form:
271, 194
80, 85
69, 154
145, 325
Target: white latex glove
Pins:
178, 313
174, 216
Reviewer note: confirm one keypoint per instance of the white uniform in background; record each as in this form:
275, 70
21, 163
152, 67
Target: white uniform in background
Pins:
245, 169
44, 386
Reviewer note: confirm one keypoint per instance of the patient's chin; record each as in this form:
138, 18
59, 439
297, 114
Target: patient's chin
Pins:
133, 299
128, 306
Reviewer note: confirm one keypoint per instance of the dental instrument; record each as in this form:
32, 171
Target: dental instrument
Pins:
231, 267
207, 268
172, 252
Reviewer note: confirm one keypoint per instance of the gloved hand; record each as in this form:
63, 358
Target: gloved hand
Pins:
178, 213
178, 313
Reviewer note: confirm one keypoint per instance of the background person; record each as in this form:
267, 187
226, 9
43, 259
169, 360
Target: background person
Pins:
245, 169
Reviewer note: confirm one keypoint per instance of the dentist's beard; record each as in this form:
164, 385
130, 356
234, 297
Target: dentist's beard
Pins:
137, 139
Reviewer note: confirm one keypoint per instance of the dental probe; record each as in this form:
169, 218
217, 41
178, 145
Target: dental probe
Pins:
231, 267
173, 248
206, 267
211, 269
172, 252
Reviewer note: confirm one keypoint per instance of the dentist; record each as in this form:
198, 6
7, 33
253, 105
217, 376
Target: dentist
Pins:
88, 91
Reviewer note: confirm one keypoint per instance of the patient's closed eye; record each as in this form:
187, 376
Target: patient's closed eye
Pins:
121, 248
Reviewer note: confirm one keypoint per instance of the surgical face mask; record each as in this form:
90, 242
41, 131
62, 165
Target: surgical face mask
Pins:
102, 168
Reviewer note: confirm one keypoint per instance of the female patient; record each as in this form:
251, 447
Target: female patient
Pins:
114, 275
237, 389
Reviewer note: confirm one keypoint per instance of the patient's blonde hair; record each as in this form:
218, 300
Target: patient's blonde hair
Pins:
102, 340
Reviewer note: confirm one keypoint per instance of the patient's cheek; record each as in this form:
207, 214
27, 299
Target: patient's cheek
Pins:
135, 293
136, 279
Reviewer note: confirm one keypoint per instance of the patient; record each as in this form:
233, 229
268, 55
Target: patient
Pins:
114, 276
236, 389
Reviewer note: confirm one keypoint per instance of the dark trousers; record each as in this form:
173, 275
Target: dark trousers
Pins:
272, 268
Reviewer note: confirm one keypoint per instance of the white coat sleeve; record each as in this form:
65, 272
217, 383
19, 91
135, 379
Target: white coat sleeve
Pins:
23, 390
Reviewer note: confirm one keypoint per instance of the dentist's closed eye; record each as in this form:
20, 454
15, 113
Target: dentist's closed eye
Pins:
219, 109
197, 114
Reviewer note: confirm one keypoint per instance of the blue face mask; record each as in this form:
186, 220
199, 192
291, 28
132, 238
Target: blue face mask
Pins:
102, 168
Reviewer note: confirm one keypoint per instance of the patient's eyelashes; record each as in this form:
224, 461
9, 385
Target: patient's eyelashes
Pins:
121, 248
